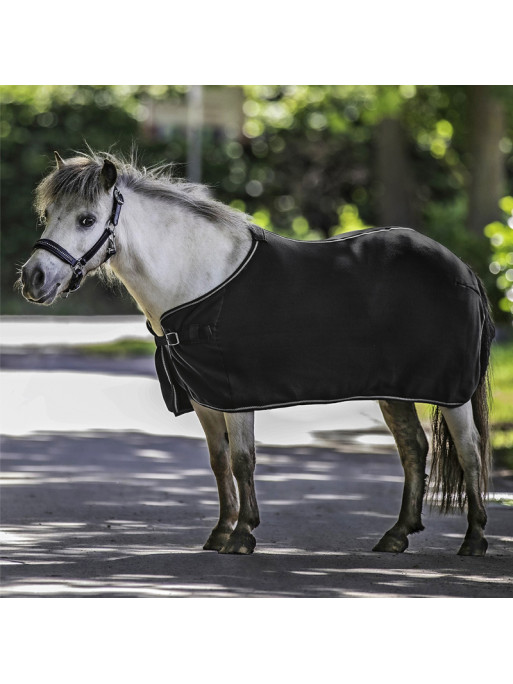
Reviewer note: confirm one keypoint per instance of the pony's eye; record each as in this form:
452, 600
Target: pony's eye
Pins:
86, 221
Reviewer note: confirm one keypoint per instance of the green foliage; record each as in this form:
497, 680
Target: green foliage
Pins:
500, 235
348, 220
303, 164
445, 222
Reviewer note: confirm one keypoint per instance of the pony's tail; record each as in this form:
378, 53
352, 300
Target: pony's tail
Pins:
446, 479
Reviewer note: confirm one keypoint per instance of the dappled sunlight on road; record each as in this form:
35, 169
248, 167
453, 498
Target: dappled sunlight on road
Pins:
126, 514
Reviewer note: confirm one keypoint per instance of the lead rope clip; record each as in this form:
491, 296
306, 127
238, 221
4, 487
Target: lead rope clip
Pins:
111, 245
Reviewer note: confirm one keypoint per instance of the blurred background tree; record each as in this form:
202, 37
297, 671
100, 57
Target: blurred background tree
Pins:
307, 161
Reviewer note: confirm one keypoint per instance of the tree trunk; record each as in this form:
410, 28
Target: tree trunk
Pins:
487, 166
394, 177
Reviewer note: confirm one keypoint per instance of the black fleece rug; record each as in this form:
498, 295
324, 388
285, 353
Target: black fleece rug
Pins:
380, 313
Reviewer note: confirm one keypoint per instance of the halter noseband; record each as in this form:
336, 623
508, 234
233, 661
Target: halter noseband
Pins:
77, 264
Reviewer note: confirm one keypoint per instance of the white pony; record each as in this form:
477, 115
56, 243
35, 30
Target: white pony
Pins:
169, 243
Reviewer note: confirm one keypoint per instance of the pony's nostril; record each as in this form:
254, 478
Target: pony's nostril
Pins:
38, 278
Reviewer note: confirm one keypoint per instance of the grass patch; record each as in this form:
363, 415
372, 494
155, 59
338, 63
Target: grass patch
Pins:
502, 384
501, 414
120, 348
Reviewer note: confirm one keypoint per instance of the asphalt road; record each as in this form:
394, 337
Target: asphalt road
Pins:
116, 513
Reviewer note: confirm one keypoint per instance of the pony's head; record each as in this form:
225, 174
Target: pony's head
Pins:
75, 201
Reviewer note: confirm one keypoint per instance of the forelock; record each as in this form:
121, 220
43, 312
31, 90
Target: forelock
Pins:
79, 177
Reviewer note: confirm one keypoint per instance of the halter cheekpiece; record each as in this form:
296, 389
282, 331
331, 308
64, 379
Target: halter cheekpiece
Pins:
77, 264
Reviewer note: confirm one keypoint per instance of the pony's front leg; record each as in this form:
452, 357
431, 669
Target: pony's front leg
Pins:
242, 451
214, 425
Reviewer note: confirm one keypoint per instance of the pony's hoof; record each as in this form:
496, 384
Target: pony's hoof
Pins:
473, 547
216, 541
392, 543
239, 542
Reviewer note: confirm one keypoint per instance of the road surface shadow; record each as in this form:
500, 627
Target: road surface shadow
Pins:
126, 514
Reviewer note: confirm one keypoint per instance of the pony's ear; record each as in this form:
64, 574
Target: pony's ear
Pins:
59, 160
109, 174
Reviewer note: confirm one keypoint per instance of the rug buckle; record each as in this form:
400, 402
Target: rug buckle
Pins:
172, 339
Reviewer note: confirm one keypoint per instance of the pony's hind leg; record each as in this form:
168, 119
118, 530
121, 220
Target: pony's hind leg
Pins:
214, 425
402, 420
467, 441
242, 451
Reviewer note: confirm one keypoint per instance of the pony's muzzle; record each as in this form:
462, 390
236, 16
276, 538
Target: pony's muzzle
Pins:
38, 285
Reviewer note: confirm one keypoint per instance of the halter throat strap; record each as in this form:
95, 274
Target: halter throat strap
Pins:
77, 264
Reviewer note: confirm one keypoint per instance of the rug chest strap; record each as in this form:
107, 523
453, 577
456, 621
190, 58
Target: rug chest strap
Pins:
194, 335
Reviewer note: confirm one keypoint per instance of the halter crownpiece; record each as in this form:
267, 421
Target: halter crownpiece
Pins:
77, 264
